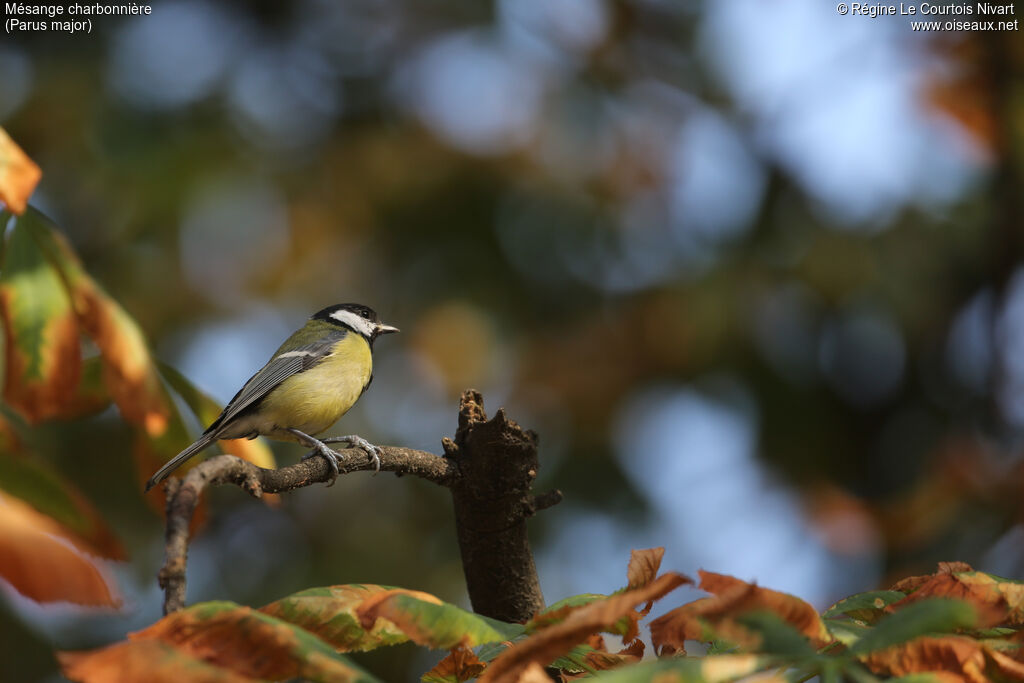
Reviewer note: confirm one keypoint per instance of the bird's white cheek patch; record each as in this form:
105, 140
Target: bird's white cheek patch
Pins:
355, 321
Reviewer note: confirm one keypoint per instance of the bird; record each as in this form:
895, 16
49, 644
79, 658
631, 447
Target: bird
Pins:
313, 379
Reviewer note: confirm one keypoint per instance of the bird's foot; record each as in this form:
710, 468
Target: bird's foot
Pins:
353, 441
318, 447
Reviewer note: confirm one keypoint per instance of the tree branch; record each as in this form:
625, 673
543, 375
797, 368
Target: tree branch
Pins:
489, 468
183, 494
493, 500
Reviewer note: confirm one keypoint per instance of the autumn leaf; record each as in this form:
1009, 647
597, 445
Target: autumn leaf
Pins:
330, 613
51, 494
709, 669
42, 348
952, 654
129, 371
547, 644
428, 621
41, 562
938, 615
250, 643
19, 175
460, 665
703, 618
643, 566
997, 600
144, 661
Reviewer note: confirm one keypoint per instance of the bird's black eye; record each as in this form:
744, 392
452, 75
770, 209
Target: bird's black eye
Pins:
366, 314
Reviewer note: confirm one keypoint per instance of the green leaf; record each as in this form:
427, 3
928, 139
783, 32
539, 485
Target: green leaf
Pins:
846, 631
863, 606
329, 612
439, 626
43, 351
936, 615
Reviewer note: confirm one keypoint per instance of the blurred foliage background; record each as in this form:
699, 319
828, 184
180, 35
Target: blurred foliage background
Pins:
751, 270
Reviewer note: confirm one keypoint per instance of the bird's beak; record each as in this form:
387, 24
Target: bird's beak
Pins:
385, 329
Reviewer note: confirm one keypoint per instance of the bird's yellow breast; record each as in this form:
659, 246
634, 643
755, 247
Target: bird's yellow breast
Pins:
313, 400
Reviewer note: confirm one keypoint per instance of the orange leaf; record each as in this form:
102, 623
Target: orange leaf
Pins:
460, 665
19, 175
733, 598
38, 558
643, 566
248, 642
912, 582
549, 643
954, 654
146, 661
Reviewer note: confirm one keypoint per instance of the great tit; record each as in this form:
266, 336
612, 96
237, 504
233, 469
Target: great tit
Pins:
312, 380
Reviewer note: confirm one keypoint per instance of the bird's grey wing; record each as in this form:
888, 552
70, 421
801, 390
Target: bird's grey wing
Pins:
281, 367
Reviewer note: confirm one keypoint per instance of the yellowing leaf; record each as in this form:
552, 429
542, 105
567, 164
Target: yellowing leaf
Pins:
38, 559
42, 349
250, 643
19, 175
595, 617
142, 661
330, 613
429, 621
128, 369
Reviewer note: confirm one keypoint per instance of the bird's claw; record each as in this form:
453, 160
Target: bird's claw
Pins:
332, 458
354, 441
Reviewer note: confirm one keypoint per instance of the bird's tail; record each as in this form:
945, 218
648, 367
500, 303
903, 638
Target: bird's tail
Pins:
172, 464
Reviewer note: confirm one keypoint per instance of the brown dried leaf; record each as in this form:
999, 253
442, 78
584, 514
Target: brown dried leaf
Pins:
996, 600
733, 599
601, 615
958, 655
643, 566
460, 665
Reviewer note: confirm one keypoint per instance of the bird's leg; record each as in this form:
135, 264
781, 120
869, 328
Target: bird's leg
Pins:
354, 441
321, 448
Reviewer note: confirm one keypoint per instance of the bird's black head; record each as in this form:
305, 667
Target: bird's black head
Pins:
356, 317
